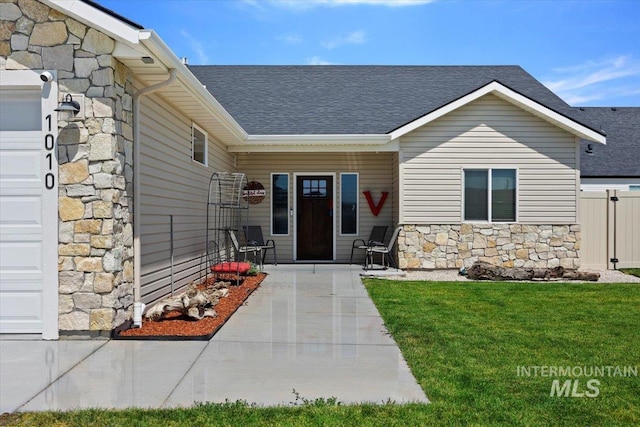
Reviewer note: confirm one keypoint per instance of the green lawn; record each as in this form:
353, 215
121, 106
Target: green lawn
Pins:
464, 342
631, 271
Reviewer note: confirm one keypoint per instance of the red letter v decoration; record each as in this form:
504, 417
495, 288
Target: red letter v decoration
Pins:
375, 209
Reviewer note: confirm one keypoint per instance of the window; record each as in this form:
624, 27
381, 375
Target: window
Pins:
198, 144
279, 203
348, 203
634, 187
314, 188
490, 195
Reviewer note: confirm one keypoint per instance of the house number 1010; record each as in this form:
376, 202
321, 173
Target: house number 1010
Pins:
49, 145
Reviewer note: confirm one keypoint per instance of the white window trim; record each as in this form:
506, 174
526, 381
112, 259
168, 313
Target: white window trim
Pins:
206, 145
357, 233
288, 204
489, 192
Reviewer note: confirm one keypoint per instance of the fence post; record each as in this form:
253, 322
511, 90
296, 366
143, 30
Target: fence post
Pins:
611, 228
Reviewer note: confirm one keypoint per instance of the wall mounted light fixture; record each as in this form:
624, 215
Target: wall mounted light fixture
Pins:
69, 105
589, 149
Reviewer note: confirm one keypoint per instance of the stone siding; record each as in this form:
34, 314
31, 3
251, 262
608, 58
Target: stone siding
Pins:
507, 245
95, 244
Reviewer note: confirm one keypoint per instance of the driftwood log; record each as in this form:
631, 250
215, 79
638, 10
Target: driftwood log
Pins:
481, 270
193, 302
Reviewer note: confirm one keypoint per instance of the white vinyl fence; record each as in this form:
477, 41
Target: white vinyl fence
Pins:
610, 229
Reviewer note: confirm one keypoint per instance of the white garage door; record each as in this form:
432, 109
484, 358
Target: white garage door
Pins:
28, 207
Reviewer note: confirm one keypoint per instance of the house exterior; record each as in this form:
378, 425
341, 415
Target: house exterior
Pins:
107, 207
616, 165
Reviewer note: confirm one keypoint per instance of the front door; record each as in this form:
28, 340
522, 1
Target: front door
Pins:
314, 218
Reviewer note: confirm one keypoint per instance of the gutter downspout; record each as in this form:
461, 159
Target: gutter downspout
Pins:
137, 321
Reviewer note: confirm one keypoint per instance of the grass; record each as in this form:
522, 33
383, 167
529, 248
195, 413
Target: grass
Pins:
464, 342
631, 271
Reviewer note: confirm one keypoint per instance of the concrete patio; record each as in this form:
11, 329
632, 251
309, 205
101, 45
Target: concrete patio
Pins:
311, 328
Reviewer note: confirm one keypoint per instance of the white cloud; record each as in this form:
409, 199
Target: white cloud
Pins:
316, 60
596, 80
292, 39
356, 37
197, 47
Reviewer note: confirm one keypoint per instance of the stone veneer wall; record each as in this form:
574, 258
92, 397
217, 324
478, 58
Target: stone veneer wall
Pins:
95, 160
507, 245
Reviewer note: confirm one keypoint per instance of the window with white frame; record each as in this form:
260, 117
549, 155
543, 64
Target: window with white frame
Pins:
490, 195
348, 203
279, 203
198, 144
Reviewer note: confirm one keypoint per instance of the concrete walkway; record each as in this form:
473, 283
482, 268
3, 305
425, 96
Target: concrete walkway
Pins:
311, 328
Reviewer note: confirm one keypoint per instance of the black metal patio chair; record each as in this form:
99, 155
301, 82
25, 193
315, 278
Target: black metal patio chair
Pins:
254, 237
375, 238
384, 250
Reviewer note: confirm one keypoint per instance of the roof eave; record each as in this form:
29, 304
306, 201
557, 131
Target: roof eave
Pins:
316, 143
135, 43
86, 13
513, 97
165, 55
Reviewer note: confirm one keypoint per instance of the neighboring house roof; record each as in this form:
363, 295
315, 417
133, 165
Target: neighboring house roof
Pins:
319, 100
621, 156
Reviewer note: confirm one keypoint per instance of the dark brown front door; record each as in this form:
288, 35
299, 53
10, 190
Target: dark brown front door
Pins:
315, 218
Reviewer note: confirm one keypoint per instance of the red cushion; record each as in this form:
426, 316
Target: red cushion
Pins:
231, 267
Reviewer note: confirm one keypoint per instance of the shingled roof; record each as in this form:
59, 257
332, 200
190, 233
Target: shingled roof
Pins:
621, 156
113, 14
303, 100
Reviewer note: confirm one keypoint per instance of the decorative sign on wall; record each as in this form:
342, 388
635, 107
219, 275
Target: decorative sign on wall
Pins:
375, 208
254, 192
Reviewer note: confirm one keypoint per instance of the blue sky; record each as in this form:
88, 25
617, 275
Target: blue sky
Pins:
587, 51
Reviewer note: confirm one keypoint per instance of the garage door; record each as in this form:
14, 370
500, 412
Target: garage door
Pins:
28, 208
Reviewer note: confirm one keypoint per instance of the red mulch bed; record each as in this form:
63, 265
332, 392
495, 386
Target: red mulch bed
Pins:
176, 325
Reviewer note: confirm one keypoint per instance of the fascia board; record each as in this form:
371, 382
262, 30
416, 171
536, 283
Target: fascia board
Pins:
332, 139
162, 52
513, 97
95, 18
548, 114
135, 38
307, 146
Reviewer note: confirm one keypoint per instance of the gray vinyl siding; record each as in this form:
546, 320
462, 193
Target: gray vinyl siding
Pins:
375, 174
488, 132
172, 184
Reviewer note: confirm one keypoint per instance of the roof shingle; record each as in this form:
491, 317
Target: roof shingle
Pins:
286, 100
621, 156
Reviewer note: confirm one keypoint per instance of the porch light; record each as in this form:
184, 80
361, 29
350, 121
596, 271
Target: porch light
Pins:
69, 105
589, 149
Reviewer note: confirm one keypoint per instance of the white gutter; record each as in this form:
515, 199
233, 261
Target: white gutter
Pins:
87, 14
136, 177
331, 139
514, 98
157, 47
316, 143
